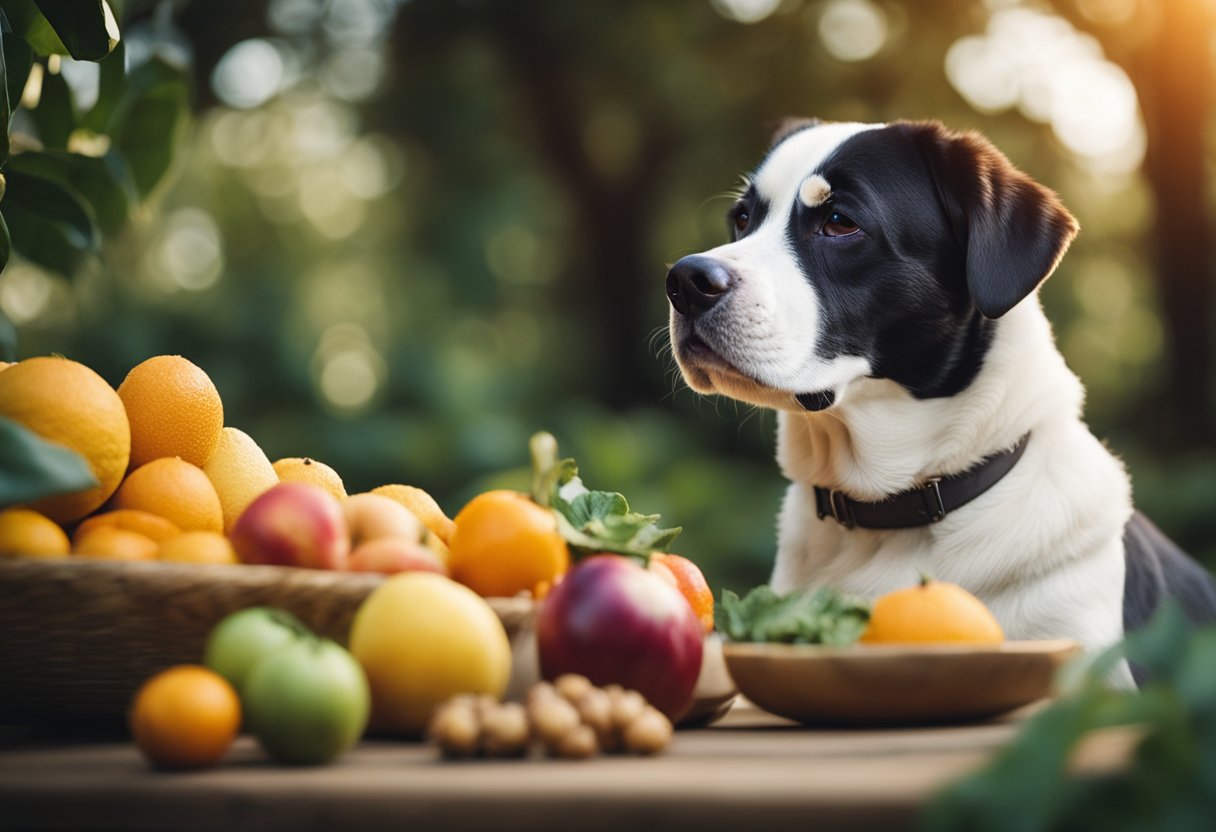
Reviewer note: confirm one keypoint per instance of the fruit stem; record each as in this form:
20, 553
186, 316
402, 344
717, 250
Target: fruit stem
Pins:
925, 579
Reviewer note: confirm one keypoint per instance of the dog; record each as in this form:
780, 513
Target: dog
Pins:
879, 291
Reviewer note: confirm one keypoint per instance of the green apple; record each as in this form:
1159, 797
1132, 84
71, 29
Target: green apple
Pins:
241, 640
307, 702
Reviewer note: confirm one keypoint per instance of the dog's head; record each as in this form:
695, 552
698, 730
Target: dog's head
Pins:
882, 251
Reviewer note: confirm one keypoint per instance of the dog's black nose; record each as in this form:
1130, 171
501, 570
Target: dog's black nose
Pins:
695, 283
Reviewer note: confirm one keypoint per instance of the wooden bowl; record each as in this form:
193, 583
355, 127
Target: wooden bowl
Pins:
78, 636
895, 684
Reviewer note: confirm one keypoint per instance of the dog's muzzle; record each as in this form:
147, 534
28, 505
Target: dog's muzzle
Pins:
696, 283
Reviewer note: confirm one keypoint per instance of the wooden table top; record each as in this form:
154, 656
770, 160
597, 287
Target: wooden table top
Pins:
749, 771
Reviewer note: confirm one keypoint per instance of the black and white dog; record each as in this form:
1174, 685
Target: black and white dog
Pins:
879, 291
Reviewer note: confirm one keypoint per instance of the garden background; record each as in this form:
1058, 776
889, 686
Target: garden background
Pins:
403, 236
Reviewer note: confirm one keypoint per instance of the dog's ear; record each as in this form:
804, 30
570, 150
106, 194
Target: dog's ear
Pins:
788, 127
1013, 230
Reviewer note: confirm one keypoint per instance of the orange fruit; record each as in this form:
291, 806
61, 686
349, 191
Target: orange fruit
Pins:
303, 469
66, 403
4, 365
185, 717
174, 410
931, 611
505, 544
198, 547
115, 544
149, 525
424, 507
240, 472
175, 490
26, 532
687, 578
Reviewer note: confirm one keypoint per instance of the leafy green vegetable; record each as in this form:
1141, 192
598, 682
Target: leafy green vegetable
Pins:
591, 521
31, 468
821, 617
1170, 783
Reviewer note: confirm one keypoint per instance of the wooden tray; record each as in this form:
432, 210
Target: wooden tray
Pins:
895, 684
78, 637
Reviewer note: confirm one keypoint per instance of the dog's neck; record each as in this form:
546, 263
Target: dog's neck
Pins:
879, 439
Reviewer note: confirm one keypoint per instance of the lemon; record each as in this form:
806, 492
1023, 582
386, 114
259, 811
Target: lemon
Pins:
423, 638
240, 472
303, 469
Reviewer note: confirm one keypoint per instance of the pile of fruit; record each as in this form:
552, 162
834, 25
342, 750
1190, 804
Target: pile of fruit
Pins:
172, 482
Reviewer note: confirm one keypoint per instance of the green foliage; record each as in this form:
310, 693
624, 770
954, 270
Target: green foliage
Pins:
1170, 782
592, 521
58, 201
820, 617
31, 468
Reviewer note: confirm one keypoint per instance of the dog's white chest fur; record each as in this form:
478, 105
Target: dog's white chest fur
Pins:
1043, 547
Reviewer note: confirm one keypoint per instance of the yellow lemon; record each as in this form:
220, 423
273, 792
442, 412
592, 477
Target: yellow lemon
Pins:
240, 472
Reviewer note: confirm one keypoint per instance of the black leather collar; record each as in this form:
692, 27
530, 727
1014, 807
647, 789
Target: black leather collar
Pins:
919, 506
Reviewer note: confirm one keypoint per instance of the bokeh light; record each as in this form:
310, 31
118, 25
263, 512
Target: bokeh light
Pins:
852, 30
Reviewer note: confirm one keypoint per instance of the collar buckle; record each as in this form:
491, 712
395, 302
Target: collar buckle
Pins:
935, 509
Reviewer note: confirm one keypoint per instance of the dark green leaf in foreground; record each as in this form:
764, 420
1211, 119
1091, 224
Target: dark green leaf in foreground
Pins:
85, 27
18, 58
55, 114
820, 617
29, 22
49, 222
103, 182
31, 468
150, 122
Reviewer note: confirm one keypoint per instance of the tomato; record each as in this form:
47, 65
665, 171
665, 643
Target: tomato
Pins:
505, 544
241, 640
307, 702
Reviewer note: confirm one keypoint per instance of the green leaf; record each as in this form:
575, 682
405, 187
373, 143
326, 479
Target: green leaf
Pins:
55, 114
32, 468
29, 22
18, 58
103, 182
50, 224
591, 521
86, 28
821, 617
6, 244
150, 122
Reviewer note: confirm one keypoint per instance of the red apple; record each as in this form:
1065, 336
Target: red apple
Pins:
293, 524
394, 554
616, 623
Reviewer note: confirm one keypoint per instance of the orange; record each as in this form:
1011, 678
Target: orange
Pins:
240, 472
68, 404
177, 491
198, 547
4, 365
691, 583
424, 507
303, 469
932, 611
505, 544
115, 544
149, 525
174, 410
26, 532
185, 717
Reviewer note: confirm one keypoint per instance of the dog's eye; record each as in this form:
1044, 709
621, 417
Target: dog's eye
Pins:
741, 219
838, 225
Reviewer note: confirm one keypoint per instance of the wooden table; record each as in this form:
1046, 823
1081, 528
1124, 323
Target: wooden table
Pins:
750, 771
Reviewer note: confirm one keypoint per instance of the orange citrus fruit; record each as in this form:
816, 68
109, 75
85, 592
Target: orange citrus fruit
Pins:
240, 472
66, 403
4, 365
505, 544
691, 583
174, 410
26, 532
198, 547
424, 507
931, 611
303, 469
149, 525
185, 717
115, 544
177, 491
